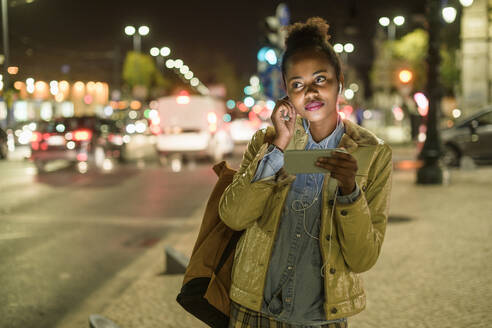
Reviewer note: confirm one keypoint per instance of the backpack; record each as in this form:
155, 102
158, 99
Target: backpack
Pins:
207, 280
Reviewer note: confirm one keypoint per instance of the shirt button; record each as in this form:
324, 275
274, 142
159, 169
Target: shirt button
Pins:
328, 237
288, 299
298, 235
332, 270
289, 267
334, 310
364, 187
343, 212
330, 202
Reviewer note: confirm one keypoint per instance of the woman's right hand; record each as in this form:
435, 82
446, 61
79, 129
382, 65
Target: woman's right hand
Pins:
284, 128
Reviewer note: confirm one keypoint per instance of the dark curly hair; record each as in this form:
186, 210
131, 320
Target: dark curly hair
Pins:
311, 34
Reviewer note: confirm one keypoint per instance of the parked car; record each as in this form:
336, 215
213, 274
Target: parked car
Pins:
193, 126
471, 137
86, 139
242, 130
3, 144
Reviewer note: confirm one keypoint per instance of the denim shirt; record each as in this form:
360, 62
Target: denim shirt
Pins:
294, 287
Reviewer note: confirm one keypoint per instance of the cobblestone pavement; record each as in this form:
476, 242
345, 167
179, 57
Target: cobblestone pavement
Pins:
434, 269
435, 266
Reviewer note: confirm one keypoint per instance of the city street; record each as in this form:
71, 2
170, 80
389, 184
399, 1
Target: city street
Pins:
64, 234
74, 244
110, 124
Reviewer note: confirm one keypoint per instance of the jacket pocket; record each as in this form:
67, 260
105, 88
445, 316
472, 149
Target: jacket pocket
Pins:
362, 181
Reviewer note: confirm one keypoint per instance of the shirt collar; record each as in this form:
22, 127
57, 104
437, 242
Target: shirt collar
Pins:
331, 141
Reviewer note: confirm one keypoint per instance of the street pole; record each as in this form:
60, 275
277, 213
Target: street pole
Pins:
137, 42
6, 62
391, 31
431, 172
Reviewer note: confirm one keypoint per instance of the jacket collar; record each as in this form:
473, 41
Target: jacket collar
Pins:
354, 137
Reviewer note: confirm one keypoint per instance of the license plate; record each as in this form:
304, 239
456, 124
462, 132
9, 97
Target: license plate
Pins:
56, 141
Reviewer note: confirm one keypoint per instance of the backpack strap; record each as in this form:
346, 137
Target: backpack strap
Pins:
231, 245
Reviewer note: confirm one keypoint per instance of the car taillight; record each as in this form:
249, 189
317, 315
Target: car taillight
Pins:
115, 139
82, 135
36, 136
155, 129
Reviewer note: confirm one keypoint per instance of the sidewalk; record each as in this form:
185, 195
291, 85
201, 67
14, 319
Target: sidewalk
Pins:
434, 269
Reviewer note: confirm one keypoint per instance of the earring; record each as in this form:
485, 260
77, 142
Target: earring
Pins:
339, 88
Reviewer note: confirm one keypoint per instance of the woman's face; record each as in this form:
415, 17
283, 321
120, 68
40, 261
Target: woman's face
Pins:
312, 85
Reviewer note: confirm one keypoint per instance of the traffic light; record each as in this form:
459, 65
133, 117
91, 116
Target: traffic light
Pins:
273, 25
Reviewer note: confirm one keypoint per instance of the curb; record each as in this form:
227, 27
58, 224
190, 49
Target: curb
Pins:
147, 266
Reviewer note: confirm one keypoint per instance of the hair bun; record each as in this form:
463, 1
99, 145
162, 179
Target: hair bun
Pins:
315, 31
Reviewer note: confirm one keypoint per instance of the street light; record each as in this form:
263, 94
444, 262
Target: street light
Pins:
137, 35
129, 30
391, 25
194, 82
384, 21
188, 75
399, 20
349, 48
154, 51
449, 14
344, 50
338, 47
184, 69
431, 172
169, 63
466, 3
143, 30
6, 61
165, 51
160, 54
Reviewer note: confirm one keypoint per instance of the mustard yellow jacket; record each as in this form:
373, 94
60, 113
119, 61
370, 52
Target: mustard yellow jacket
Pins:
351, 235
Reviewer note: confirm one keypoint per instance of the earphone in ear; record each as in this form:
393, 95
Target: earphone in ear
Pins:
340, 88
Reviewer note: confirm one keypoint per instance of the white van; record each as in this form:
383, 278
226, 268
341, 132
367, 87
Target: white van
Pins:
193, 126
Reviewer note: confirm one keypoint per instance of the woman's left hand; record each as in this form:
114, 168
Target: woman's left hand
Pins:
343, 167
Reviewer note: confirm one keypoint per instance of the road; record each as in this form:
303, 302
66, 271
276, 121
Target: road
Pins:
64, 234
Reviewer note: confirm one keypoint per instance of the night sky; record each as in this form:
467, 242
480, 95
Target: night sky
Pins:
85, 34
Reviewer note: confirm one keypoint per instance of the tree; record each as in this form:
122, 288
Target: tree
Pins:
140, 71
410, 52
450, 71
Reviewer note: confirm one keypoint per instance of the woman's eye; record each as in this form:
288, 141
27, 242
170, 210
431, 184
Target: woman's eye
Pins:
320, 79
296, 85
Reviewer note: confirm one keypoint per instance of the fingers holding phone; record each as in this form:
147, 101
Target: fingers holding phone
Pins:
343, 167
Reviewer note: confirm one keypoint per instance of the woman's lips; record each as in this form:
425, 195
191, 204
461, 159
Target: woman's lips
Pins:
314, 105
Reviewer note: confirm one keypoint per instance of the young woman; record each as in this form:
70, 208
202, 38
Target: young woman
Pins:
307, 236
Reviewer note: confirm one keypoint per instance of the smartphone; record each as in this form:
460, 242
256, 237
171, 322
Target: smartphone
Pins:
303, 161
